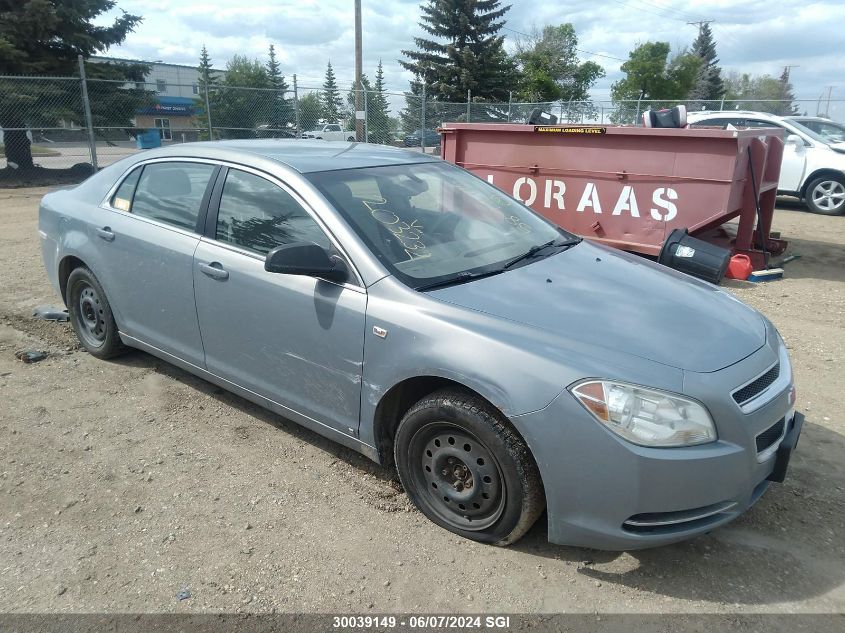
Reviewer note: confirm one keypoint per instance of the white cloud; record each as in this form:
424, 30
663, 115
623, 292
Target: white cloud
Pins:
754, 36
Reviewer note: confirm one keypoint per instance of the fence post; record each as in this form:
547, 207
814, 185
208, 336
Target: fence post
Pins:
86, 106
469, 99
510, 104
637, 118
422, 119
207, 106
722, 104
560, 119
296, 107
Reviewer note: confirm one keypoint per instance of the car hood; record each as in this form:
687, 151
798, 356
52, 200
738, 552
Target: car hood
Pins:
620, 302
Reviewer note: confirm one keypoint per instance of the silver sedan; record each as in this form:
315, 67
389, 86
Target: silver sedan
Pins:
409, 310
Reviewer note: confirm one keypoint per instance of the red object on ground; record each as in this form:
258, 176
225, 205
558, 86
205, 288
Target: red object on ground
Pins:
739, 267
630, 187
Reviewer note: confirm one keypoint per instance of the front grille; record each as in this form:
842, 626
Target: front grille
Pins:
770, 435
752, 389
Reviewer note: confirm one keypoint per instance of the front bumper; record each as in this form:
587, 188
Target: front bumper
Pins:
605, 493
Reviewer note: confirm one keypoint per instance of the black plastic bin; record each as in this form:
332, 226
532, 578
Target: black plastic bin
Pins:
694, 257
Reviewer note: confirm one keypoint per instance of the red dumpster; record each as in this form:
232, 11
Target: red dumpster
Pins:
630, 187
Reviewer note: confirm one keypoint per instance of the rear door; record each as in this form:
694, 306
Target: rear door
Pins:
293, 339
146, 245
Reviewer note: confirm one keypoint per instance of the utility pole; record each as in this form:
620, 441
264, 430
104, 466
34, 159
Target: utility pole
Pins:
359, 86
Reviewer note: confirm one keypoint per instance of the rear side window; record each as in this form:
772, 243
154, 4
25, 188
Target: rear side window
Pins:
172, 193
257, 215
122, 198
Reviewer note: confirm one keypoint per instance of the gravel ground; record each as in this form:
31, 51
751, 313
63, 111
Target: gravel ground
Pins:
126, 482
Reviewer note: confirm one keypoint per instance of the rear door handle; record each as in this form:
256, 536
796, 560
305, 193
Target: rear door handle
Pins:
106, 233
215, 271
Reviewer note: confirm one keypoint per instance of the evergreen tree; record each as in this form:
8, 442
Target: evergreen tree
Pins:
281, 110
787, 96
206, 72
45, 38
708, 85
378, 110
467, 54
331, 100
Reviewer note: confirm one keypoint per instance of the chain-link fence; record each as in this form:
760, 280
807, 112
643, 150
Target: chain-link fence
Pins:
63, 128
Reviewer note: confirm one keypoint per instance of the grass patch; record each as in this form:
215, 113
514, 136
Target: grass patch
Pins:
37, 150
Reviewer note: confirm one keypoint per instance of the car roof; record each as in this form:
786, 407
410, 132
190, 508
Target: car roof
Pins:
723, 113
820, 119
302, 155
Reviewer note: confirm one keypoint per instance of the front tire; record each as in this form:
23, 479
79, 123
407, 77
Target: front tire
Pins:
91, 315
826, 195
466, 468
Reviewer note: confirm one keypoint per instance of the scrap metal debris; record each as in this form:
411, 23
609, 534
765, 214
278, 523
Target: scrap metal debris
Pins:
31, 355
183, 595
51, 313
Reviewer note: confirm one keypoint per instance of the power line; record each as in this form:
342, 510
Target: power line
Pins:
580, 50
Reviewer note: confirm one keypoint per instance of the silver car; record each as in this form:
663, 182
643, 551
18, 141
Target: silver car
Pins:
407, 309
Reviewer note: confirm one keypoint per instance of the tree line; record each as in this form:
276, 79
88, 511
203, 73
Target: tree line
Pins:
251, 96
460, 57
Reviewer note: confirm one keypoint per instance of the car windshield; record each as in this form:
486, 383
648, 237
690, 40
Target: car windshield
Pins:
813, 135
434, 224
829, 130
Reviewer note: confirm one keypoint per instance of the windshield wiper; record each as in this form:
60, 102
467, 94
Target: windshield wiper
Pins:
460, 278
531, 252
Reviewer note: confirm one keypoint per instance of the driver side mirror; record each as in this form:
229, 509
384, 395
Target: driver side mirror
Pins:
307, 259
795, 141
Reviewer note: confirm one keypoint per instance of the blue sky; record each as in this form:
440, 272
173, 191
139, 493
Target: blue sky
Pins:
753, 36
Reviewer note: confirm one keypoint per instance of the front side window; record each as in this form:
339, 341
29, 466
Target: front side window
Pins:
432, 223
258, 215
334, 128
172, 193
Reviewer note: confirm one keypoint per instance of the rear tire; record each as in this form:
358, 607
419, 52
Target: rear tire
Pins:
91, 315
826, 195
466, 468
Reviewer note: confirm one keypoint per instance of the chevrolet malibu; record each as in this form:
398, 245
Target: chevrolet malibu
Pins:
406, 309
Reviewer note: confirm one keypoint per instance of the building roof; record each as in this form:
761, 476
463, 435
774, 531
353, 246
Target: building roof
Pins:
103, 58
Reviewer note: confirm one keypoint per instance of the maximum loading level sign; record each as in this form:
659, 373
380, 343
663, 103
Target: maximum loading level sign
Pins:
563, 129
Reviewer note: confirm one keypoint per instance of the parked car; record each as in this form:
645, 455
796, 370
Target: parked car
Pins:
812, 169
330, 132
411, 311
414, 139
831, 131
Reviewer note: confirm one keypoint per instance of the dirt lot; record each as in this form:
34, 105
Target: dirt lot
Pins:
125, 482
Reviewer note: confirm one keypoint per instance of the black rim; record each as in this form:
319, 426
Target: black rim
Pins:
457, 476
90, 316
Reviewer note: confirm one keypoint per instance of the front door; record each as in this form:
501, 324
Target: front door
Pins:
146, 244
293, 339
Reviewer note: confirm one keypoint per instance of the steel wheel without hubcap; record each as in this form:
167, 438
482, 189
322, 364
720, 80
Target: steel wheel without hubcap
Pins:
461, 478
828, 196
91, 317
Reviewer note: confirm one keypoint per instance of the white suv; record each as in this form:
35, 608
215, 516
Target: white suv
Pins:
812, 169
330, 132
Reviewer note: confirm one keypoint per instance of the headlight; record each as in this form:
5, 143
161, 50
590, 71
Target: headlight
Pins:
646, 416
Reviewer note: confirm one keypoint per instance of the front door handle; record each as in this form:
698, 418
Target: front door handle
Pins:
106, 233
215, 271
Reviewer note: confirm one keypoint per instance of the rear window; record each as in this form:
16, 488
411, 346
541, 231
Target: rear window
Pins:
122, 198
172, 193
